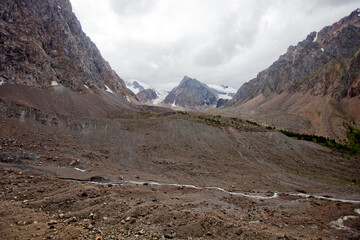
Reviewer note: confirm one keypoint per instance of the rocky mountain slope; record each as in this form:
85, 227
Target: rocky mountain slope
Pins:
42, 45
313, 87
147, 96
191, 94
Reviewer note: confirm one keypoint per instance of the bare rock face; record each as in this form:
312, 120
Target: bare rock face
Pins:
146, 96
191, 94
41, 41
325, 63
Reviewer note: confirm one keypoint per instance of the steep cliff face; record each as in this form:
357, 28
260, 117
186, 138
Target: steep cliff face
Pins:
42, 44
314, 87
191, 94
322, 64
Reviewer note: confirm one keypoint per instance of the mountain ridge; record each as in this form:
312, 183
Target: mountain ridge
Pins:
317, 81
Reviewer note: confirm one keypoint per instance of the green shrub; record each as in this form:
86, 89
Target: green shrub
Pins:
353, 136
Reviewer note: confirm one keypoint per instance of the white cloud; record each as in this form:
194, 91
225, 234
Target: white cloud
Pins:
223, 42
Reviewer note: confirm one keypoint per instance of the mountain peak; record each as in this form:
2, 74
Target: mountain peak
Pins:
191, 94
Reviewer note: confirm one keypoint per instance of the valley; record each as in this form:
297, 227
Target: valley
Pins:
156, 166
84, 155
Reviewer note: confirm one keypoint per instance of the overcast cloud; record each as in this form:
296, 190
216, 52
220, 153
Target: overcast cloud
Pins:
216, 41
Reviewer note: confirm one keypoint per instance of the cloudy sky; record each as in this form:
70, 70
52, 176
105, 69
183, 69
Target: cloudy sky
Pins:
216, 41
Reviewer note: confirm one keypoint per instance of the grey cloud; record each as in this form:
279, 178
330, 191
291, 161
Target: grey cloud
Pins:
231, 50
335, 2
233, 35
125, 8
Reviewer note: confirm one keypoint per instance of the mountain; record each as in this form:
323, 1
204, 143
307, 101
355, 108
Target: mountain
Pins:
314, 87
145, 93
136, 86
44, 51
191, 94
42, 46
147, 96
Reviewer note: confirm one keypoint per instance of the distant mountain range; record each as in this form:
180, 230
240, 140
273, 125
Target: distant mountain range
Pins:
190, 94
145, 93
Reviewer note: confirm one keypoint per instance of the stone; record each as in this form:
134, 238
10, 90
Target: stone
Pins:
70, 220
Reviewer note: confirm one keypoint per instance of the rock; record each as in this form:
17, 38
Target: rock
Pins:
239, 232
52, 222
93, 216
74, 162
170, 235
70, 220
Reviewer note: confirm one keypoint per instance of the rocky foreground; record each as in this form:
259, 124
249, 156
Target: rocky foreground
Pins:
37, 206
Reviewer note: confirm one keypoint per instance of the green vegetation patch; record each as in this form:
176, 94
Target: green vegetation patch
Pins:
352, 134
253, 123
148, 115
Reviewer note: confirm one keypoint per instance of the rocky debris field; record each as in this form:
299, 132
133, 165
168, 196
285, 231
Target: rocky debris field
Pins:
92, 178
41, 207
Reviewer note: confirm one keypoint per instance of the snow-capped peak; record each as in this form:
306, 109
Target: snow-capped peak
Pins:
136, 86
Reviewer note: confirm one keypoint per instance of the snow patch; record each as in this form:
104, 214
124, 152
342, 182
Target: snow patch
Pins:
322, 49
81, 170
161, 95
224, 96
316, 37
54, 83
173, 104
59, 7
127, 98
108, 89
130, 85
224, 92
86, 86
357, 210
2, 82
